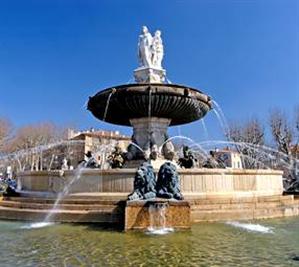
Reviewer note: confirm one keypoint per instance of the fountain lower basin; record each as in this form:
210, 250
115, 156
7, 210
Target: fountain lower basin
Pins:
99, 196
195, 183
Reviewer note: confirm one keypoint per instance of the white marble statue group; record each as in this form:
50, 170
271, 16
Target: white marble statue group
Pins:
150, 49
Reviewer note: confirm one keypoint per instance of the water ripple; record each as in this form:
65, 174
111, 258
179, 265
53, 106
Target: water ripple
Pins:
206, 244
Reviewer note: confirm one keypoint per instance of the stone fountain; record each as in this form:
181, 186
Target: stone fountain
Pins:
150, 106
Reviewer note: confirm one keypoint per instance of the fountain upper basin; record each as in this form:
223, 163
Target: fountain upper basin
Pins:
179, 103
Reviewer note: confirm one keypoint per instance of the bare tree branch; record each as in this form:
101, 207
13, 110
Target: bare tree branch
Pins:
5, 132
281, 131
246, 134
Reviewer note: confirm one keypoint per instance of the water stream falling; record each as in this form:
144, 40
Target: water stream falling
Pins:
221, 119
55, 210
103, 150
77, 175
203, 152
254, 161
135, 145
149, 115
179, 130
262, 152
157, 216
23, 157
38, 149
107, 104
206, 133
222, 124
64, 192
149, 103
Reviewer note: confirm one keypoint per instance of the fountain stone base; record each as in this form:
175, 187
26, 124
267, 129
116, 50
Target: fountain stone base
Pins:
149, 136
150, 131
149, 75
138, 214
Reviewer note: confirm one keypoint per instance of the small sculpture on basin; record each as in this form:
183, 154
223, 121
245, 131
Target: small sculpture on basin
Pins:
117, 158
91, 162
188, 160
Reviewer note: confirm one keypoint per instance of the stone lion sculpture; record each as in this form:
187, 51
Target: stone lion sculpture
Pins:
144, 183
168, 184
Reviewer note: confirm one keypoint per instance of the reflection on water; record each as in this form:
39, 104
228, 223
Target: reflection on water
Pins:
253, 227
36, 225
214, 244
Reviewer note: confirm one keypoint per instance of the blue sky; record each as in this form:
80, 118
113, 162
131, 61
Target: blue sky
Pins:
54, 54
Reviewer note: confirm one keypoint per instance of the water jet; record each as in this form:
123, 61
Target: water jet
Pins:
150, 106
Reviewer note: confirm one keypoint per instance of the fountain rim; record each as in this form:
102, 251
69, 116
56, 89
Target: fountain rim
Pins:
132, 171
171, 85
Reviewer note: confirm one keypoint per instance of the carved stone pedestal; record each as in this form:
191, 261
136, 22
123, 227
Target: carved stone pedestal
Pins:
149, 75
150, 131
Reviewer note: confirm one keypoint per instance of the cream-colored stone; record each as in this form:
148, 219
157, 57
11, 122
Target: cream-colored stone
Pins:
137, 214
194, 183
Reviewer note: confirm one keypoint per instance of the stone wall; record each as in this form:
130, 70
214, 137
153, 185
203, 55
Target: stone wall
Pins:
137, 215
213, 182
195, 183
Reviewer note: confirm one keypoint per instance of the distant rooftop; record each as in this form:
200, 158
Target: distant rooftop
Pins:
74, 135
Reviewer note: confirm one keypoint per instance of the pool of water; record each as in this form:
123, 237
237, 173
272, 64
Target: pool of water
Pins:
259, 243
